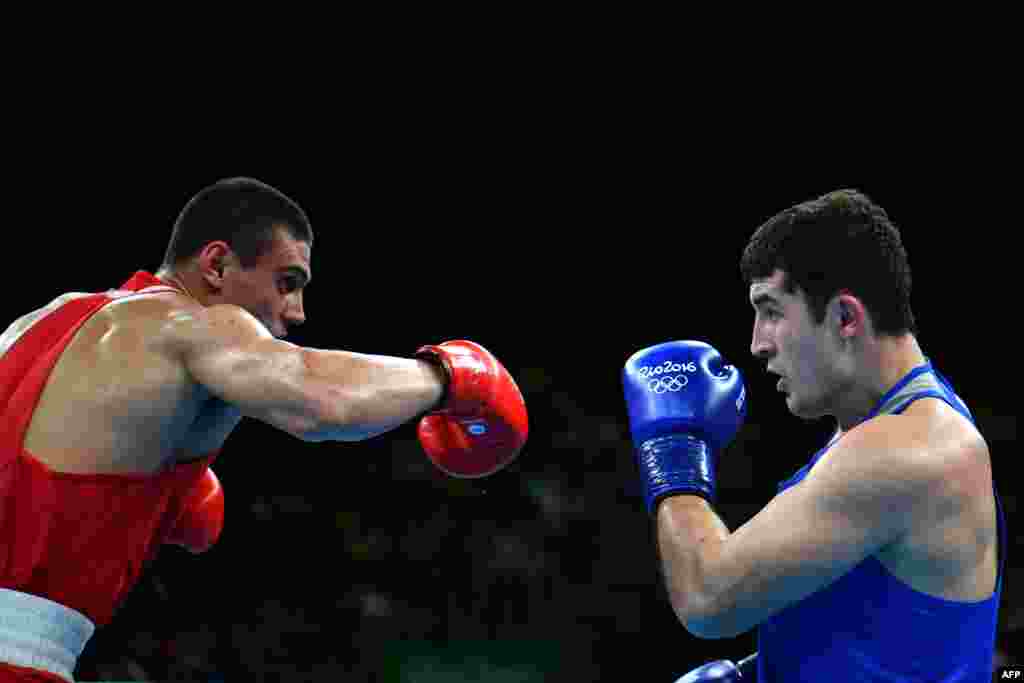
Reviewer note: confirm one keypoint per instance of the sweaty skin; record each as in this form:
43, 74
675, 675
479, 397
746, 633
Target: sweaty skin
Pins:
914, 490
119, 401
159, 378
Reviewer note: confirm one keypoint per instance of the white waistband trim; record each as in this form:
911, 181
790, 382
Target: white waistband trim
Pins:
37, 633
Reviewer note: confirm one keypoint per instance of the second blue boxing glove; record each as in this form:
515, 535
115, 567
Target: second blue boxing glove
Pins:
685, 404
722, 671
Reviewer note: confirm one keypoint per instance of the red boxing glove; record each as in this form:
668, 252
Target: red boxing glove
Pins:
202, 516
481, 424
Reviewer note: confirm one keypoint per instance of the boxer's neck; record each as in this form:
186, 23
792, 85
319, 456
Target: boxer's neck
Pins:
188, 281
894, 358
882, 362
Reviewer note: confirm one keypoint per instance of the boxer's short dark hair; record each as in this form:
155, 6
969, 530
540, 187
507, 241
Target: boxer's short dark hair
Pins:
839, 241
240, 211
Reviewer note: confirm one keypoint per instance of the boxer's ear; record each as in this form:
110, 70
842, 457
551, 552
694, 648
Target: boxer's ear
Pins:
849, 313
212, 259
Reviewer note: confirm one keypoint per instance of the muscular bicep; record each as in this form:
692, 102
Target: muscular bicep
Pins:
860, 498
262, 379
234, 357
314, 394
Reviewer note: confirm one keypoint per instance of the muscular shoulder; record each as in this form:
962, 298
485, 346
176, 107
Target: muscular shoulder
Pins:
198, 328
173, 325
928, 458
954, 451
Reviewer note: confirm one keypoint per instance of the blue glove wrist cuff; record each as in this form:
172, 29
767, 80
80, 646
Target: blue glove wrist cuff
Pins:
678, 463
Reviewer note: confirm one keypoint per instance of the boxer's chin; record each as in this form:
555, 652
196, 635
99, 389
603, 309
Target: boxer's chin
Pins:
793, 402
802, 408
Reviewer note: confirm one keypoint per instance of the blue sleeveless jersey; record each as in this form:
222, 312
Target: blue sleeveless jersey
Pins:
869, 625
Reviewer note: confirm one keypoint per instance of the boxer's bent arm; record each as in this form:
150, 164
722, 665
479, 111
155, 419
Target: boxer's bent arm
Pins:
314, 394
867, 492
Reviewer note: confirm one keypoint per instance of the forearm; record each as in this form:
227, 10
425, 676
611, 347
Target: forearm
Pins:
690, 536
357, 396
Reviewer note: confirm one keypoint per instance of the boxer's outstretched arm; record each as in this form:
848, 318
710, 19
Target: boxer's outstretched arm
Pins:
314, 394
876, 483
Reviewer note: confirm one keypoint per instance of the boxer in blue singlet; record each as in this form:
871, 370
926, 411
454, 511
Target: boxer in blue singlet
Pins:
877, 623
882, 558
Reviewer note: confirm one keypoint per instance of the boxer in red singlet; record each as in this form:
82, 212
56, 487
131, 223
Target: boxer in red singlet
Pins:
113, 406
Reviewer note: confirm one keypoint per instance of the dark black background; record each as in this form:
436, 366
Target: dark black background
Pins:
559, 223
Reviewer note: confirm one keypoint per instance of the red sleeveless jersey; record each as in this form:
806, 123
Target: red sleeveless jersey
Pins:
81, 540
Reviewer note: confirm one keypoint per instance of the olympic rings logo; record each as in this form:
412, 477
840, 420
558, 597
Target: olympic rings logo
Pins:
673, 383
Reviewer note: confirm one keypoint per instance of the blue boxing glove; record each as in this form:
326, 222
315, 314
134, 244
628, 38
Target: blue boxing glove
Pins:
722, 671
685, 404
